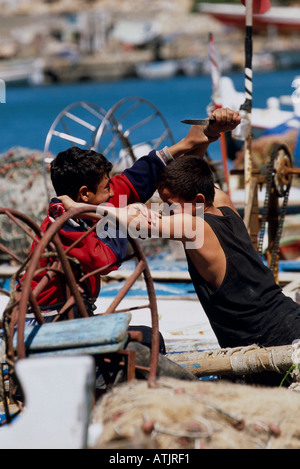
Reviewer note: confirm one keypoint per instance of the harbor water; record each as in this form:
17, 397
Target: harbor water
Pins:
30, 111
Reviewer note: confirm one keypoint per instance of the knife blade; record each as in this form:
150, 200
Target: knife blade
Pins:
199, 121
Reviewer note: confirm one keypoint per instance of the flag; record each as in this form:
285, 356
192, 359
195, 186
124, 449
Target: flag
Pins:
259, 6
215, 72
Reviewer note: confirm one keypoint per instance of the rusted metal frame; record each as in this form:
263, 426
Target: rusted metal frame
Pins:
154, 319
140, 268
130, 362
72, 284
89, 230
80, 239
52, 233
124, 290
132, 308
52, 271
84, 235
20, 225
32, 300
127, 358
70, 311
4, 292
17, 259
15, 276
43, 243
11, 315
10, 253
152, 302
35, 308
102, 269
14, 213
68, 304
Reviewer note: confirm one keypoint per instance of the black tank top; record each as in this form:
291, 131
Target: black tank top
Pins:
248, 307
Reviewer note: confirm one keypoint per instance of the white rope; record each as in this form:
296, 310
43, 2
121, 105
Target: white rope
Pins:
295, 374
241, 363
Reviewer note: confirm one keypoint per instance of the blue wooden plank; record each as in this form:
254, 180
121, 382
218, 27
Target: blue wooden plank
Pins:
93, 350
77, 333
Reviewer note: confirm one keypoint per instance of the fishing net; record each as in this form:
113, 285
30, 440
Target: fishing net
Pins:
22, 187
193, 415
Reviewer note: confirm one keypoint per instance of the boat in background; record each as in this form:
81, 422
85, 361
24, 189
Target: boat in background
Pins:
283, 19
23, 71
272, 115
157, 69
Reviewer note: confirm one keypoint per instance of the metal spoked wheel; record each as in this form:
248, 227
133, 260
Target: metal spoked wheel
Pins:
77, 124
125, 134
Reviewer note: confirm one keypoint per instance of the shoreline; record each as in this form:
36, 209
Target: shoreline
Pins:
106, 41
114, 67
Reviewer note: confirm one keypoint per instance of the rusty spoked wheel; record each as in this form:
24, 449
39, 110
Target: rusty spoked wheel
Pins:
50, 242
31, 230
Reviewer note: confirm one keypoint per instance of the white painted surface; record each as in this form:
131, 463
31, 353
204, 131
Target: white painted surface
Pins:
58, 398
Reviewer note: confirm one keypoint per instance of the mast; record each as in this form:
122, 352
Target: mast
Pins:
215, 73
243, 131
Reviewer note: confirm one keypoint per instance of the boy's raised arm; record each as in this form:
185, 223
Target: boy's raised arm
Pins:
200, 136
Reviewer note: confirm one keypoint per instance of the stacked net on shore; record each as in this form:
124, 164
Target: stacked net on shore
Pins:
22, 187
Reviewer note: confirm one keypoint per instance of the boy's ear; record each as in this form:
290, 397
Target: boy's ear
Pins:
199, 199
83, 194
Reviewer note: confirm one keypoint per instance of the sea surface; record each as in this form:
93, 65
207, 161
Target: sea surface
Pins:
29, 112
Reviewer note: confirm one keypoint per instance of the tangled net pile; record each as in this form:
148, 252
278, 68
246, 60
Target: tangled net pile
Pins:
198, 415
22, 188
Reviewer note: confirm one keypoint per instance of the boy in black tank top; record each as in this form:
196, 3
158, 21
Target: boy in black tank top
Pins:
237, 291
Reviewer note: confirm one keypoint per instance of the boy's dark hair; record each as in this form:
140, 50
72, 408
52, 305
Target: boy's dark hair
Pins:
188, 176
76, 167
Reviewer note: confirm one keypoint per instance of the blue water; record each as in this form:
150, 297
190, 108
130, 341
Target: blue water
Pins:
29, 111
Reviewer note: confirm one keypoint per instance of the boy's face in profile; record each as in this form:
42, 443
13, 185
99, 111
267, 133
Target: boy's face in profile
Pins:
179, 205
171, 199
103, 193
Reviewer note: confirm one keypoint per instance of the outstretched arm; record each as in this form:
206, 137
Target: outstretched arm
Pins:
140, 222
200, 136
